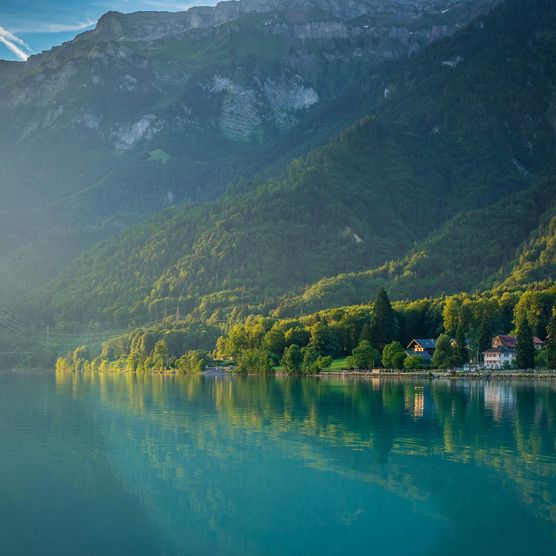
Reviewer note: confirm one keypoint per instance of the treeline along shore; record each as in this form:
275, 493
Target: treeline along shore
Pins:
488, 334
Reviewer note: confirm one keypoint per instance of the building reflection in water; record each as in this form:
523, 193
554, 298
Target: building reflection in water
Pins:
499, 399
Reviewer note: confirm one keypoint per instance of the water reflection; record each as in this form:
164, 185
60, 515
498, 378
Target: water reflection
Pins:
445, 457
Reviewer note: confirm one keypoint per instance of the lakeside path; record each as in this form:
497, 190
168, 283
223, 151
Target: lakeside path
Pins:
452, 375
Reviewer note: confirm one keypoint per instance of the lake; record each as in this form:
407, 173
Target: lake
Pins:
125, 464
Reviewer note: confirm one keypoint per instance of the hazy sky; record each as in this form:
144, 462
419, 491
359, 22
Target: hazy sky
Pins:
31, 26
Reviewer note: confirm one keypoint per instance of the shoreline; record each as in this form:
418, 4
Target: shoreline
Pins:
381, 374
441, 375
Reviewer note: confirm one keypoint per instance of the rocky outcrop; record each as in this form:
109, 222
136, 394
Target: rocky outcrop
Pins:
139, 76
147, 26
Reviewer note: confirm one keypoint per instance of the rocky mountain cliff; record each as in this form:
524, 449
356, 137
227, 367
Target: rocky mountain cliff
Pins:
152, 109
433, 192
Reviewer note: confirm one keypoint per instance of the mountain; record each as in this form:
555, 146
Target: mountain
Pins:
150, 110
433, 191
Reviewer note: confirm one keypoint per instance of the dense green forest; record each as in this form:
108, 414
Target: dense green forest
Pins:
436, 191
146, 112
362, 336
474, 250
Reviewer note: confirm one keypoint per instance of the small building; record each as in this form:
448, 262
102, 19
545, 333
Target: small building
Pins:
422, 346
511, 342
499, 357
424, 355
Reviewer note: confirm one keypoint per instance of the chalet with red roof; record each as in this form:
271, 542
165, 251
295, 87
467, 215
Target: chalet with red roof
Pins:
504, 351
511, 342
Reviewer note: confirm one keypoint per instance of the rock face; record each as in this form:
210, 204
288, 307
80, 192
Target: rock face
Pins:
151, 109
200, 89
151, 26
288, 55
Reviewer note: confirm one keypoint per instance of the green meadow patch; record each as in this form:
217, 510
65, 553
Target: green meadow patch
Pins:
159, 155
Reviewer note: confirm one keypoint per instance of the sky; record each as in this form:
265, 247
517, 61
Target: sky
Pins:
31, 26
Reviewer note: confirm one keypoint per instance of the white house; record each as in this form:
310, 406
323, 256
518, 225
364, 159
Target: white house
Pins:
499, 357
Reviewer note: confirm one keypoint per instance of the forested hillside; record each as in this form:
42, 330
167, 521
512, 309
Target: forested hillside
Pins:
479, 249
444, 176
152, 109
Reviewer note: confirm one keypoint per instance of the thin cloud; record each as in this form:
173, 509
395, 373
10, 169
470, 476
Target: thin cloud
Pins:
15, 44
40, 28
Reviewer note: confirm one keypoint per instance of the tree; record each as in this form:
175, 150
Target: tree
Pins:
393, 356
350, 362
310, 358
255, 361
192, 362
160, 356
297, 335
525, 357
413, 362
461, 353
364, 355
134, 361
222, 348
383, 323
537, 308
365, 333
451, 315
324, 339
541, 359
551, 343
275, 341
80, 355
62, 365
485, 334
293, 359
324, 362
443, 357
237, 340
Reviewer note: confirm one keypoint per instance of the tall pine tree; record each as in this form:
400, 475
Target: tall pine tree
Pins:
461, 353
485, 333
551, 343
525, 358
383, 325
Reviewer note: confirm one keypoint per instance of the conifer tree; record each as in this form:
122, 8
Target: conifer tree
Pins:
383, 326
551, 343
525, 358
461, 354
485, 334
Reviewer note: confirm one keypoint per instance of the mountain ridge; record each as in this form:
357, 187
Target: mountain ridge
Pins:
100, 133
442, 146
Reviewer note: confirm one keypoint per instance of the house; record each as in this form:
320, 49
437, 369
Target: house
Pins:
499, 357
511, 342
424, 355
422, 346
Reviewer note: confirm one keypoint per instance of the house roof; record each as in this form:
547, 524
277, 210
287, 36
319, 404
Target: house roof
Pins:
506, 340
511, 341
425, 355
426, 343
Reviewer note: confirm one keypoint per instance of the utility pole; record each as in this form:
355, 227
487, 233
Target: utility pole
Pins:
177, 313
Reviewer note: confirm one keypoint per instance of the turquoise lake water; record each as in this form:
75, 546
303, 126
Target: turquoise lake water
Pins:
132, 465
